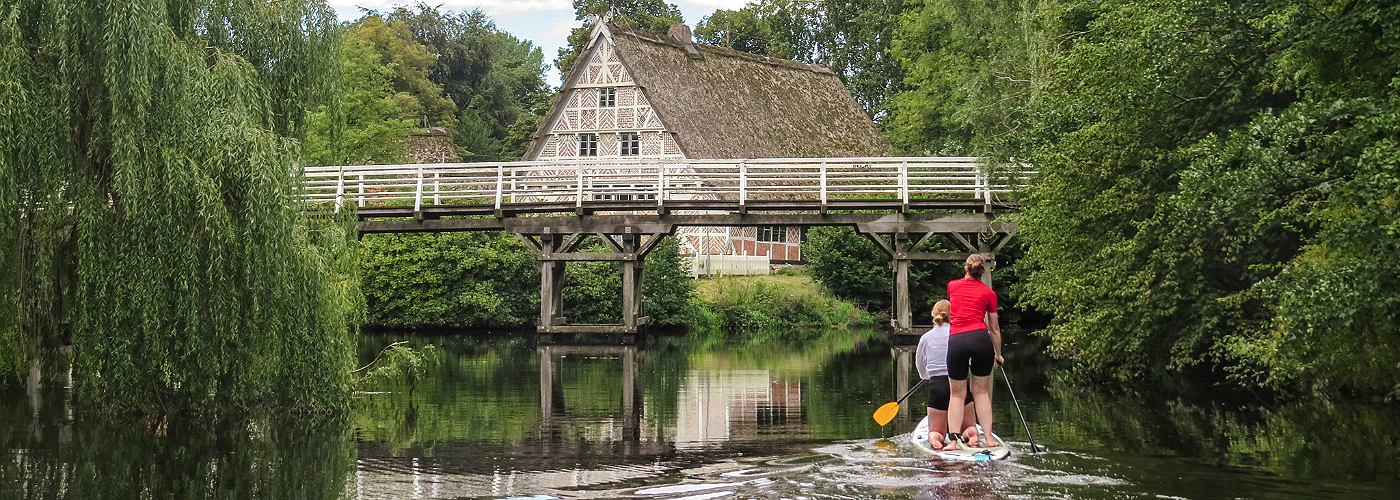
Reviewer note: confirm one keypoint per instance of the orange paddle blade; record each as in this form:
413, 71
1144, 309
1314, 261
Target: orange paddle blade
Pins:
886, 413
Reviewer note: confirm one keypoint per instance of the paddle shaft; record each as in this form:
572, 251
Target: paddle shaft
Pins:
1034, 448
911, 391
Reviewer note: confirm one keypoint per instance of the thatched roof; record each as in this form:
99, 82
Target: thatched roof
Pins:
722, 103
432, 145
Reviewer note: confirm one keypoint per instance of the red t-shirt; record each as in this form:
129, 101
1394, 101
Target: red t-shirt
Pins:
970, 300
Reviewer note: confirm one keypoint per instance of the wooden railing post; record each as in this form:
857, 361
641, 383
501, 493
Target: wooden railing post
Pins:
743, 187
339, 189
437, 188
500, 185
823, 207
361, 189
904, 186
578, 202
660, 187
418, 196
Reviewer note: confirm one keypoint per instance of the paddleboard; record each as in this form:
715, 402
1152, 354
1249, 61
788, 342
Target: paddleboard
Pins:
920, 441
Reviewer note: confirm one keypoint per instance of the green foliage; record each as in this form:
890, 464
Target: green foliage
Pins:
852, 37
494, 78
648, 16
853, 268
400, 366
479, 279
593, 291
746, 306
376, 120
969, 68
741, 30
411, 63
149, 171
1216, 188
449, 279
850, 265
666, 285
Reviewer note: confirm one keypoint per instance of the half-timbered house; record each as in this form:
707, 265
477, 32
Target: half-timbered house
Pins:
636, 96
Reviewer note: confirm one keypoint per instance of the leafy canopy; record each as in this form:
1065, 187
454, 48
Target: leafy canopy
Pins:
147, 214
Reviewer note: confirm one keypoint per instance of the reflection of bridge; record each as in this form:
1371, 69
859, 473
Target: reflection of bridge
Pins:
631, 204
622, 427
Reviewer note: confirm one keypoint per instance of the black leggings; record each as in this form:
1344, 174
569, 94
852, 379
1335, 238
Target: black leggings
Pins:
938, 391
970, 350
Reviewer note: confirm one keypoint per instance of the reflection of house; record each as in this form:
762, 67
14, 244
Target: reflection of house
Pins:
633, 96
743, 405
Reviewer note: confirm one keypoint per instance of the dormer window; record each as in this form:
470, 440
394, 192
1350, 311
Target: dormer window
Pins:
607, 97
588, 144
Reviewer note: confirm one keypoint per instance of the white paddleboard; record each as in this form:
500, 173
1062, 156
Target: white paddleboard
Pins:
920, 441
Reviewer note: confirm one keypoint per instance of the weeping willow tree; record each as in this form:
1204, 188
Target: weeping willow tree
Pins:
147, 203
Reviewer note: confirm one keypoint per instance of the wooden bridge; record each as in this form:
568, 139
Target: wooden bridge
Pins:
900, 203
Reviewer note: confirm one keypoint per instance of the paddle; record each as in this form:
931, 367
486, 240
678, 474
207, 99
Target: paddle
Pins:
887, 412
1034, 449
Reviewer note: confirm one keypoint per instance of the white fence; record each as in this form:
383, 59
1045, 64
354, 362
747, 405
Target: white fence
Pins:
712, 265
659, 179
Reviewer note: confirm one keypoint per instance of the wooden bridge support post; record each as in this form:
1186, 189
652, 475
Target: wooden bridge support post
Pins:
631, 279
903, 315
551, 282
904, 363
631, 396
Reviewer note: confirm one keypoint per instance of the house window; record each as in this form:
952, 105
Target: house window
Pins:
607, 97
772, 234
624, 197
588, 144
631, 144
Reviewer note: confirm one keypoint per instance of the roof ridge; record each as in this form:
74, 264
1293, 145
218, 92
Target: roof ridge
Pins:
722, 51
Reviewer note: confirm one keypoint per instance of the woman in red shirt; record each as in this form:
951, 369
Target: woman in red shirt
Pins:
974, 347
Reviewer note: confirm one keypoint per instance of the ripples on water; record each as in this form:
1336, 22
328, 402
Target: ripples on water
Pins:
508, 419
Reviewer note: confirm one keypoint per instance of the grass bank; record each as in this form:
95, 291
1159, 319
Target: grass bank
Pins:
776, 305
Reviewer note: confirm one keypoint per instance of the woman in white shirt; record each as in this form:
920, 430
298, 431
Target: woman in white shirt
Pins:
932, 361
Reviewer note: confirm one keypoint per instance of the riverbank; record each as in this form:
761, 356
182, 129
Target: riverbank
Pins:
790, 300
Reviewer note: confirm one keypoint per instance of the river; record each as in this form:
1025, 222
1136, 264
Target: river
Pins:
682, 419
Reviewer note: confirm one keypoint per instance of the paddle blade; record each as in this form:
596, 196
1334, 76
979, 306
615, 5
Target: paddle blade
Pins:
886, 413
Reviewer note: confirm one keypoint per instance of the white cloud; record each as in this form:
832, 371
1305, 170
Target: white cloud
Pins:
709, 6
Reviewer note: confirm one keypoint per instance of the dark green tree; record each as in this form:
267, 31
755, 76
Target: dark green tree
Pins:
852, 37
477, 279
969, 68
850, 265
741, 30
493, 78
370, 121
666, 285
1216, 189
148, 174
648, 16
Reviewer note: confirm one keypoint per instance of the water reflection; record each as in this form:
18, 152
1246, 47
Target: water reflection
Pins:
51, 455
684, 418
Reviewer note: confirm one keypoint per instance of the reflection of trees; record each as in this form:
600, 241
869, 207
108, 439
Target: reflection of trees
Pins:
1317, 438
481, 392
207, 456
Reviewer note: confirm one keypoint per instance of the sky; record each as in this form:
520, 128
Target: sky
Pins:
544, 22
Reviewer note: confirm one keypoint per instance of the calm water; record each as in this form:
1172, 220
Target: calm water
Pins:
673, 420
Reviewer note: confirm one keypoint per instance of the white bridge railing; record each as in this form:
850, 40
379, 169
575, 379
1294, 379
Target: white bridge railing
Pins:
577, 181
